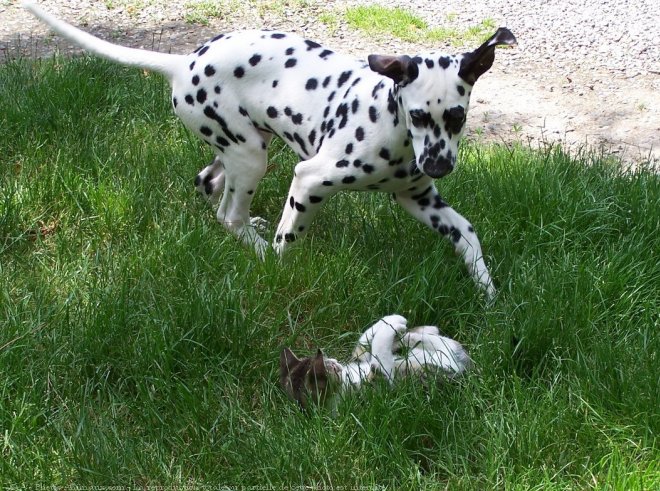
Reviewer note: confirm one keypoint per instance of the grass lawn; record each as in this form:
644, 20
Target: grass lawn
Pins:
139, 342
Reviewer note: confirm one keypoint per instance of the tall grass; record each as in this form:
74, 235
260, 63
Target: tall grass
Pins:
139, 341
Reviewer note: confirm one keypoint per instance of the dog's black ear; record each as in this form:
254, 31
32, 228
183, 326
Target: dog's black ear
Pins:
401, 69
479, 61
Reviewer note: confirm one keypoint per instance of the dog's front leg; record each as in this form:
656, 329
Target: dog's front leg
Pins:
306, 195
429, 208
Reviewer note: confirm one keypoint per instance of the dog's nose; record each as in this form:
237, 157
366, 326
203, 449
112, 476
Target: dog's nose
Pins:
439, 167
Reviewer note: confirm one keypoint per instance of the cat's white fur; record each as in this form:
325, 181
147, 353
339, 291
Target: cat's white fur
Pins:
388, 348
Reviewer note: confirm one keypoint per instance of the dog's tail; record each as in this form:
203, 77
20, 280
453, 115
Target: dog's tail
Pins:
163, 63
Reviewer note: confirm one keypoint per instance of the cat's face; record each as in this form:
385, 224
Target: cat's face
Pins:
311, 380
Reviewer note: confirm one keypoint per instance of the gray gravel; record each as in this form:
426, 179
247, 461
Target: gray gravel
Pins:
621, 35
581, 75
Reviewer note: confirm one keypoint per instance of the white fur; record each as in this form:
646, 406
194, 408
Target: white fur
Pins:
376, 353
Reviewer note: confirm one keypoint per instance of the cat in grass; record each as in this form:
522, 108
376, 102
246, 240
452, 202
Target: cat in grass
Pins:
387, 348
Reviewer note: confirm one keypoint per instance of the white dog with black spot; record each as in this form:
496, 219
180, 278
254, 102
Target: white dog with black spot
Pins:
391, 124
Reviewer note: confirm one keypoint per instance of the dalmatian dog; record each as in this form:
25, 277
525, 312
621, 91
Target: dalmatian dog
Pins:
391, 124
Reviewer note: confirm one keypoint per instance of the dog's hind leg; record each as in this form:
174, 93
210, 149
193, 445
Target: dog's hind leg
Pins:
243, 169
429, 208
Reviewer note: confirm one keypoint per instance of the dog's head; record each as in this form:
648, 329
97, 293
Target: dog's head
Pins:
434, 92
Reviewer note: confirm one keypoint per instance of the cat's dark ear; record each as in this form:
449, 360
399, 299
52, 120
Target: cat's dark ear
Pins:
318, 364
479, 61
288, 360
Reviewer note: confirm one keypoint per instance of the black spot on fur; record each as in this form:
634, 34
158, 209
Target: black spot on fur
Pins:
311, 84
242, 111
327, 183
312, 137
315, 199
461, 89
289, 51
275, 82
210, 113
422, 194
218, 37
438, 203
359, 133
355, 105
400, 173
348, 149
174, 101
203, 50
377, 87
271, 112
297, 118
429, 63
206, 131
444, 61
217, 89
201, 96
290, 63
239, 71
209, 71
343, 78
326, 81
325, 53
192, 65
342, 163
300, 142
254, 59
278, 35
300, 207
368, 168
348, 179
384, 154
195, 80
311, 45
391, 104
373, 114
189, 99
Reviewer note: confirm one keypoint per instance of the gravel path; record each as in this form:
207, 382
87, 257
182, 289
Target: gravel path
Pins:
581, 75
